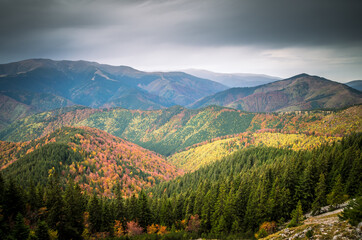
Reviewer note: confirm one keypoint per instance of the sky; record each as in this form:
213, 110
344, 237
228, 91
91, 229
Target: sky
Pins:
275, 37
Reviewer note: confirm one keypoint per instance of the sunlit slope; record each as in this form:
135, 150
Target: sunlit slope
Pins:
198, 156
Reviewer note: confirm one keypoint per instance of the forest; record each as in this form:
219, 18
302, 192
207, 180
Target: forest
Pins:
234, 197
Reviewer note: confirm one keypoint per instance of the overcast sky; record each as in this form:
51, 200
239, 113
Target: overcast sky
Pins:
276, 37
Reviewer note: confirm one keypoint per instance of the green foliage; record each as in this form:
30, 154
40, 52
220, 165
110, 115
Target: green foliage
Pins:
231, 197
170, 130
337, 196
353, 212
35, 165
297, 216
320, 199
41, 231
21, 230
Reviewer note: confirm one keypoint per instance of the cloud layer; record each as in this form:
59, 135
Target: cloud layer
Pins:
279, 37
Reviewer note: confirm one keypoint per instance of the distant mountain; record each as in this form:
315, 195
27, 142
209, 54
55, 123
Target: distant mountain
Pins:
93, 158
18, 104
357, 84
98, 85
12, 110
234, 79
301, 92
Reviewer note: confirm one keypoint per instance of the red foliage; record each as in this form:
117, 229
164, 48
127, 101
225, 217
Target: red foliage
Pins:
194, 224
133, 228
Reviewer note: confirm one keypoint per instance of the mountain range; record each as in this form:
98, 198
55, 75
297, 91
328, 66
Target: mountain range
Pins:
43, 84
301, 92
98, 85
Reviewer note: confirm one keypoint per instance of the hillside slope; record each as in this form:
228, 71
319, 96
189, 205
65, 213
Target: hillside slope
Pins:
15, 105
96, 85
301, 92
93, 158
169, 130
357, 84
202, 155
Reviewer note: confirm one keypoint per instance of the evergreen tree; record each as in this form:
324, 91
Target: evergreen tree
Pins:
13, 201
107, 220
353, 212
297, 215
74, 207
21, 231
145, 212
95, 214
41, 231
119, 208
321, 199
54, 201
336, 197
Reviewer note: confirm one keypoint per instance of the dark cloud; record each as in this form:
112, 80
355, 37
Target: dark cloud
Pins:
97, 29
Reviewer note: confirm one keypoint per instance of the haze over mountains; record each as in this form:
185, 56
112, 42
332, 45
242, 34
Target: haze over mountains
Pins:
234, 79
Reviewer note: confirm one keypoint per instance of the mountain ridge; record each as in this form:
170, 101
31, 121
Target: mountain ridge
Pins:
93, 84
301, 92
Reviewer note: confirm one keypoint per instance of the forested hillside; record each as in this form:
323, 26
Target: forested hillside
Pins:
256, 185
95, 160
231, 198
202, 154
169, 130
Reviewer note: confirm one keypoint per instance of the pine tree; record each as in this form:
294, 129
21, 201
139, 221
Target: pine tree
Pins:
353, 212
219, 208
107, 220
74, 207
336, 197
54, 201
13, 201
221, 226
41, 231
145, 212
95, 214
297, 215
119, 208
20, 231
320, 199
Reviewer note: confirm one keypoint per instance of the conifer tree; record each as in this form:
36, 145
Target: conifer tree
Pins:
13, 201
119, 208
321, 199
297, 215
107, 219
95, 214
145, 212
74, 207
20, 231
336, 197
41, 231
